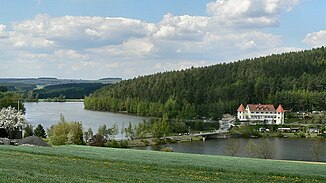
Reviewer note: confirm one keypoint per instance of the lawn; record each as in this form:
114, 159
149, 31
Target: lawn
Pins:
94, 164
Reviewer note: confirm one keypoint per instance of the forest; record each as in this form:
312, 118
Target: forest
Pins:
297, 80
69, 91
11, 99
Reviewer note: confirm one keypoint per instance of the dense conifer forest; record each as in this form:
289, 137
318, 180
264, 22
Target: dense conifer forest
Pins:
297, 80
70, 90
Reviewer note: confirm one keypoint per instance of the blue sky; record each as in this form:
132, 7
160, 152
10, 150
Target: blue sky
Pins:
91, 39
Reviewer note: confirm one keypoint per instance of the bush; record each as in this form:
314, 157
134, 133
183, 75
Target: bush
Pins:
247, 131
66, 133
145, 142
167, 149
97, 140
124, 144
116, 144
159, 141
279, 134
302, 134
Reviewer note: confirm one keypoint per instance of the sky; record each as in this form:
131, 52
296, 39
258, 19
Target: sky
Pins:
93, 39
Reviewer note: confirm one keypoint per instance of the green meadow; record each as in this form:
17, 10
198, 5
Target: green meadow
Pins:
95, 164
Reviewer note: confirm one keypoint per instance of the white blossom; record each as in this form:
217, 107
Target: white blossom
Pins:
10, 118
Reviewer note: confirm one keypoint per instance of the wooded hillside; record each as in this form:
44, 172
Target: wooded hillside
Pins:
70, 90
297, 80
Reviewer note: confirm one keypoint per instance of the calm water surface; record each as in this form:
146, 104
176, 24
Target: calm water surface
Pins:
48, 113
285, 148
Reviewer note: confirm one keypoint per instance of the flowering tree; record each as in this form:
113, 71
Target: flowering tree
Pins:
11, 119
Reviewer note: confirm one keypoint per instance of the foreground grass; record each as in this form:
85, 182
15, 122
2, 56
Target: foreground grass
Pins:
92, 164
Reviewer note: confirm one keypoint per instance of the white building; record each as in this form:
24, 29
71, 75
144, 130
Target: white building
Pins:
261, 113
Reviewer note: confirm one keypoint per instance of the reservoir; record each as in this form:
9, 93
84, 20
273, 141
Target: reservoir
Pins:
284, 148
48, 114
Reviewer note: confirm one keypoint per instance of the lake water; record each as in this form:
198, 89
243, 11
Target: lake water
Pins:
48, 113
285, 148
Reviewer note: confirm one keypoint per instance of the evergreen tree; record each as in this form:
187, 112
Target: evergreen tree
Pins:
28, 131
39, 131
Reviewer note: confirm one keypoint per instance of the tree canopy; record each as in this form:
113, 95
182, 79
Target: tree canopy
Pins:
297, 80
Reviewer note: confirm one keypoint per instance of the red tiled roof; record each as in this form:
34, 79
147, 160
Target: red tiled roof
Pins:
261, 107
280, 108
241, 108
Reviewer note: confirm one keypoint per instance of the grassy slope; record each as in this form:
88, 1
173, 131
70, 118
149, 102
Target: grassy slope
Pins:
92, 164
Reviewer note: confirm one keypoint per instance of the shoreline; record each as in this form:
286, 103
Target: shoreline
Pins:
167, 140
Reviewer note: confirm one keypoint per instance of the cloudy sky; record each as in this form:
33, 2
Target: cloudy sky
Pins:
92, 39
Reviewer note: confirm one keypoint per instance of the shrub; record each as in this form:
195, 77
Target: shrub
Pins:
159, 141
116, 144
97, 140
124, 144
66, 133
249, 131
279, 134
145, 142
302, 134
167, 149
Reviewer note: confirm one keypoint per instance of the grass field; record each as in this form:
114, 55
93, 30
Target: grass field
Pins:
93, 164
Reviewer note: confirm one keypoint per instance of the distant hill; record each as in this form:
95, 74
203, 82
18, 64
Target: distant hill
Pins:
49, 87
297, 80
25, 84
69, 91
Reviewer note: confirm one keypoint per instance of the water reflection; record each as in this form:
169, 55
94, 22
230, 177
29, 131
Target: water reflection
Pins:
285, 148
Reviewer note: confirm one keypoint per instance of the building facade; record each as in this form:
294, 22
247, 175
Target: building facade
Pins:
261, 113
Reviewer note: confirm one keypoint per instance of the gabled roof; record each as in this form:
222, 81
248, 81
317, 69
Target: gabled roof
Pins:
261, 107
241, 108
280, 108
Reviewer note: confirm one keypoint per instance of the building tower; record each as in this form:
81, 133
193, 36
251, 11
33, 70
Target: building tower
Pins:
241, 112
280, 115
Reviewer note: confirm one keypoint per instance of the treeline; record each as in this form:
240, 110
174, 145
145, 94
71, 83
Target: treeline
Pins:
11, 99
69, 91
297, 80
16, 86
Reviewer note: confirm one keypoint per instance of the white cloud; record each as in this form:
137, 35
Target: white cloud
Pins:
249, 13
2, 28
96, 47
316, 39
69, 54
181, 27
83, 29
3, 33
20, 40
